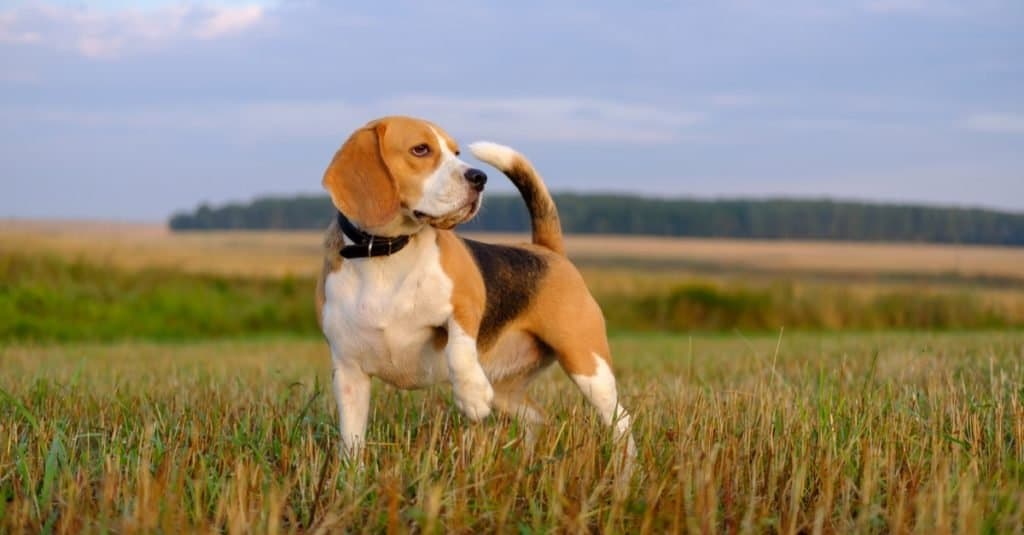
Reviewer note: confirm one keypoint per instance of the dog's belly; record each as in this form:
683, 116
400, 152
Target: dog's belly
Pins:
516, 353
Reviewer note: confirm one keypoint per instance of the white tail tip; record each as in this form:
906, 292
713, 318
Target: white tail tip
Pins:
495, 154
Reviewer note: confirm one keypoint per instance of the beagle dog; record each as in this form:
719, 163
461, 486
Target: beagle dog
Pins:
403, 298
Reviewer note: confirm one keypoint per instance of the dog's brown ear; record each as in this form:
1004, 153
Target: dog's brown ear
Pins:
360, 184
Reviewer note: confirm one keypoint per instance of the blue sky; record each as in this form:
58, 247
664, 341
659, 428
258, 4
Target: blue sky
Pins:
132, 110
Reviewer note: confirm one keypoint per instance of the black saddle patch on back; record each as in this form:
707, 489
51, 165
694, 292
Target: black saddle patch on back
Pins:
511, 277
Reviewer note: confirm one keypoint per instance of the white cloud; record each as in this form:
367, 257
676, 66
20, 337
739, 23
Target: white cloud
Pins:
227, 21
1010, 123
842, 125
106, 34
546, 119
12, 34
19, 38
551, 118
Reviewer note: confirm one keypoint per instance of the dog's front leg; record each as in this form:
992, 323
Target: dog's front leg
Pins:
473, 392
352, 392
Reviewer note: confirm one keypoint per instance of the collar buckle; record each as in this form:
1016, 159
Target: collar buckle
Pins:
363, 243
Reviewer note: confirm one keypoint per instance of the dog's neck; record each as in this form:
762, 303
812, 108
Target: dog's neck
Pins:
361, 244
383, 273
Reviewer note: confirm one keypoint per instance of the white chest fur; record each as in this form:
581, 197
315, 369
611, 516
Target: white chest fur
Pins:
380, 313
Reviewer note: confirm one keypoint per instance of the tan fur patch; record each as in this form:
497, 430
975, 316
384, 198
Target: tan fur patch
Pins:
468, 294
360, 184
566, 317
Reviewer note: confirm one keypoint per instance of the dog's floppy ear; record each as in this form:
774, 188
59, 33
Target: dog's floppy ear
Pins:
360, 184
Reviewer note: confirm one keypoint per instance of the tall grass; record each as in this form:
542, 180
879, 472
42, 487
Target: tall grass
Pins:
45, 298
710, 305
803, 434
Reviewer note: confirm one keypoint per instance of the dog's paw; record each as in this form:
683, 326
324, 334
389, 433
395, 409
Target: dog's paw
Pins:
473, 396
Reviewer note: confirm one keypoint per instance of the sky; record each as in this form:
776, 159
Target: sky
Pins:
131, 111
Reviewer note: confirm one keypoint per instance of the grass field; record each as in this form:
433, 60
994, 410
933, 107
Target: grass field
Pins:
49, 299
917, 433
78, 281
156, 382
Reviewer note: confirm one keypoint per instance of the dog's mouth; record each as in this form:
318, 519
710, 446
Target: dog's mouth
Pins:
451, 219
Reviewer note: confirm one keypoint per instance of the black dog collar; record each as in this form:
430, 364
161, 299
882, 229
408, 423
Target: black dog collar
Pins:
367, 245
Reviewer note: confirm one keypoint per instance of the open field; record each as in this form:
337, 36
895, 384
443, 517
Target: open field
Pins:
298, 253
227, 423
916, 433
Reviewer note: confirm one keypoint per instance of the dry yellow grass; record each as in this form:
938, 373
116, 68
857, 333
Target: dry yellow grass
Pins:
134, 246
808, 434
137, 246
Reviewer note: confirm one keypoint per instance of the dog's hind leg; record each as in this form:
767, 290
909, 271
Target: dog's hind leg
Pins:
581, 347
598, 385
592, 373
511, 398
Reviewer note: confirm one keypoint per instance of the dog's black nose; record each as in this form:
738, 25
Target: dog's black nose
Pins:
477, 178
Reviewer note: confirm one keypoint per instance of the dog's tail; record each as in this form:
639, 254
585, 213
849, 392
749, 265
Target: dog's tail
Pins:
547, 230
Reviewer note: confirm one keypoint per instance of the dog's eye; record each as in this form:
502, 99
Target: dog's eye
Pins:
420, 150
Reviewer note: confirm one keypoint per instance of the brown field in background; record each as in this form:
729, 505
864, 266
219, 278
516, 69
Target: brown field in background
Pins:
643, 283
259, 253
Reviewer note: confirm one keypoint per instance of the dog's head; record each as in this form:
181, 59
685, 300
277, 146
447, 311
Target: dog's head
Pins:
397, 174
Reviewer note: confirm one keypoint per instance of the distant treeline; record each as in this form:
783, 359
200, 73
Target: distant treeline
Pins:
621, 214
